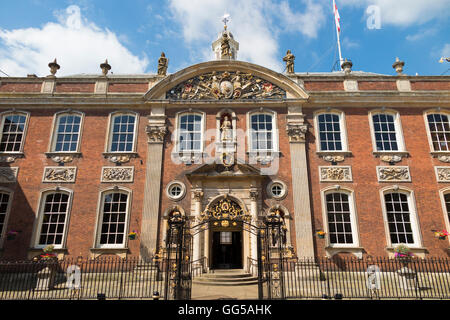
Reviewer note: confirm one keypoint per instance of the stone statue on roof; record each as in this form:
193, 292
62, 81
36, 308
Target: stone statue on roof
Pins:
163, 63
289, 59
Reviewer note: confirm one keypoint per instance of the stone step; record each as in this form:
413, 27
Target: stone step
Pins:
226, 275
223, 283
224, 279
233, 277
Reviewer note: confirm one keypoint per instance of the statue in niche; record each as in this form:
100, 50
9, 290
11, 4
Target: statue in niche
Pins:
162, 64
226, 130
225, 47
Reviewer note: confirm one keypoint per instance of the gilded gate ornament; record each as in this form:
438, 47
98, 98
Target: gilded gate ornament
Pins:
226, 85
224, 209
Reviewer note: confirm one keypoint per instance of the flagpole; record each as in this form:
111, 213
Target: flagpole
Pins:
335, 11
341, 61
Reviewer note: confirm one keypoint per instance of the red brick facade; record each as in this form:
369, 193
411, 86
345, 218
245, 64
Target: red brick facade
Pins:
25, 95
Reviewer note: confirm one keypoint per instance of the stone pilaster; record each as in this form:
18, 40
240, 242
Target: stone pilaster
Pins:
156, 131
254, 213
197, 196
297, 130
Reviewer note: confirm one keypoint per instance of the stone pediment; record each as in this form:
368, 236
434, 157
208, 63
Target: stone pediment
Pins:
219, 170
223, 85
226, 81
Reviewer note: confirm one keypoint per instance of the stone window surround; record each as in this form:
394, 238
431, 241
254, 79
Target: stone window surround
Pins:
343, 129
284, 191
54, 130
446, 112
38, 222
442, 194
398, 132
334, 248
172, 184
27, 120
109, 133
98, 249
8, 211
418, 242
188, 156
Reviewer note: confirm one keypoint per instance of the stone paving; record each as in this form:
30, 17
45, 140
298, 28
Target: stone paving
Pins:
206, 292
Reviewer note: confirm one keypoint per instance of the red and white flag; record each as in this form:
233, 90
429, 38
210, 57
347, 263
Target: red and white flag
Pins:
337, 18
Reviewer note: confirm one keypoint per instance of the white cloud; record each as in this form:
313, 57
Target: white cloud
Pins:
349, 44
405, 12
251, 24
79, 45
445, 52
422, 34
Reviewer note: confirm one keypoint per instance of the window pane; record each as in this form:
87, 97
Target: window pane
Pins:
329, 132
123, 133
67, 132
54, 213
114, 214
262, 132
385, 133
398, 216
338, 210
12, 133
190, 133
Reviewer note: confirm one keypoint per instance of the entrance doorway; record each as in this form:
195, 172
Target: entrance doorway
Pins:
226, 250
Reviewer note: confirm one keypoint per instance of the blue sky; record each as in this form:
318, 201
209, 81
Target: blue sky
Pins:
132, 34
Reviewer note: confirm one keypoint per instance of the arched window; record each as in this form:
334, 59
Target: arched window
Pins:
5, 203
67, 132
263, 136
14, 125
53, 218
438, 131
386, 131
401, 217
445, 198
122, 132
113, 219
190, 132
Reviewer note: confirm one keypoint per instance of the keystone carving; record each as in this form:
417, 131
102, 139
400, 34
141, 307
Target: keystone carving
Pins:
8, 175
118, 159
59, 174
445, 159
391, 158
333, 158
7, 159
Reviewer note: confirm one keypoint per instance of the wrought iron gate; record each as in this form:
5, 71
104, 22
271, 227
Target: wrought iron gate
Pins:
271, 234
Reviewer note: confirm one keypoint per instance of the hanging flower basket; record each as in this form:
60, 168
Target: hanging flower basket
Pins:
441, 235
403, 254
321, 234
132, 235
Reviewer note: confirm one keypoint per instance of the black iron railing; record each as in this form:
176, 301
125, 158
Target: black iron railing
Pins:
104, 278
318, 278
376, 278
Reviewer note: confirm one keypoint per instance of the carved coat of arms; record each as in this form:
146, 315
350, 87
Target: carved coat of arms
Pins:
226, 85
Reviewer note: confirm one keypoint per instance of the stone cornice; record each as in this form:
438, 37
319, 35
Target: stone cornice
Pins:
379, 98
